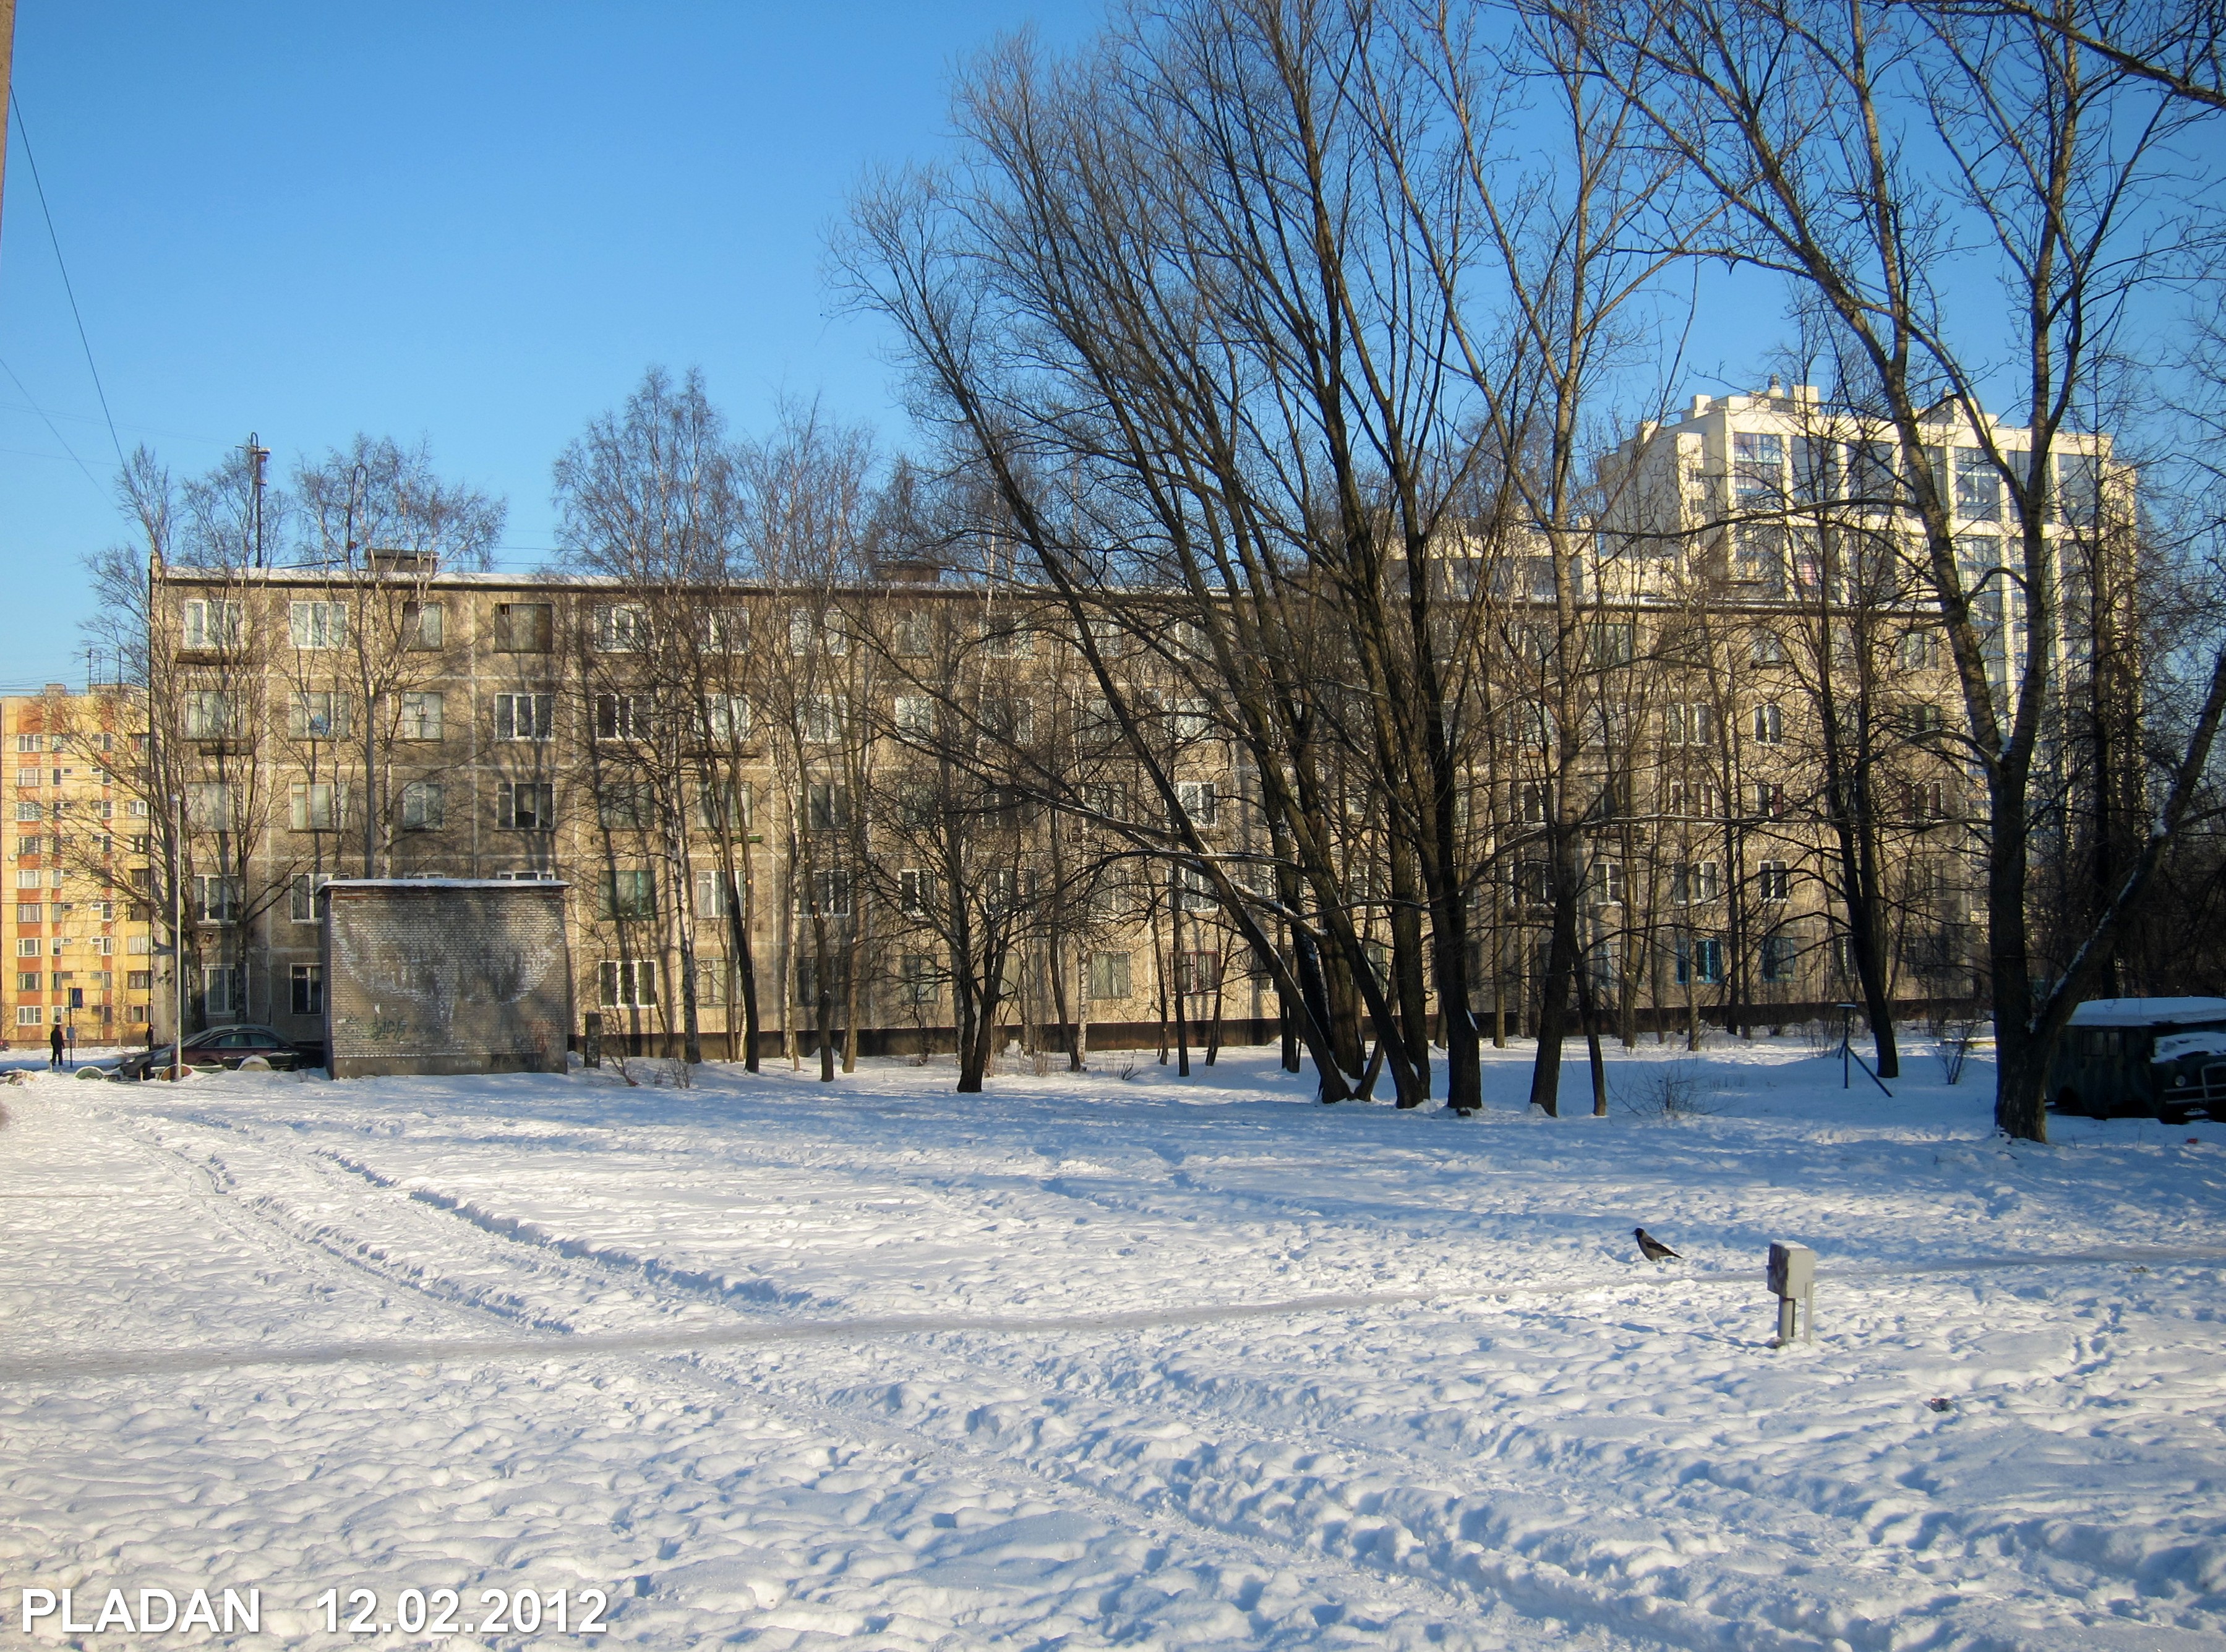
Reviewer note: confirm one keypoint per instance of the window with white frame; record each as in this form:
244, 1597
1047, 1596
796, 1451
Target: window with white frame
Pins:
621, 716
306, 985
826, 807
821, 718
620, 628
1607, 883
320, 714
915, 891
29, 1015
301, 897
1108, 975
824, 894
1694, 882
627, 984
816, 633
27, 946
525, 717
1689, 723
317, 625
423, 626
1769, 723
717, 894
212, 713
1774, 882
319, 806
627, 805
215, 898
523, 628
526, 805
725, 719
727, 630
1201, 800
423, 714
211, 806
422, 806
629, 894
915, 715
212, 623
1779, 953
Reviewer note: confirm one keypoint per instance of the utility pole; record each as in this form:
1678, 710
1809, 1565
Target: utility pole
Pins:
258, 461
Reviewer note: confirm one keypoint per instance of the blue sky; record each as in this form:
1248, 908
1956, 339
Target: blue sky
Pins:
473, 222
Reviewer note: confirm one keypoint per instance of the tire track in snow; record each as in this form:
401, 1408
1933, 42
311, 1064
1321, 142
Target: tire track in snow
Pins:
260, 1220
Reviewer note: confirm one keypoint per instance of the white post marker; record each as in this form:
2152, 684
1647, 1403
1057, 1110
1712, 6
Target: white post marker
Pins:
1792, 1277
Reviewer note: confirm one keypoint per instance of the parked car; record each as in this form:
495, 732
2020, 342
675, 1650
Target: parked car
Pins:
2150, 1057
219, 1046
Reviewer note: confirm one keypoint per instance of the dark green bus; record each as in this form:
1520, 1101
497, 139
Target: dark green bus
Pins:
2146, 1058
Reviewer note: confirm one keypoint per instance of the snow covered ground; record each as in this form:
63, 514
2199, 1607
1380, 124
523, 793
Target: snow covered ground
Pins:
1104, 1360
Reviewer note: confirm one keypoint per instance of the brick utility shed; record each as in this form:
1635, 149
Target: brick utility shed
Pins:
445, 976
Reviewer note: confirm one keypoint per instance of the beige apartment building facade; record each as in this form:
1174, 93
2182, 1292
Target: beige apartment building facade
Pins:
753, 795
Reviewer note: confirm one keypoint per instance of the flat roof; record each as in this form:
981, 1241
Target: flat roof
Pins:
2148, 1012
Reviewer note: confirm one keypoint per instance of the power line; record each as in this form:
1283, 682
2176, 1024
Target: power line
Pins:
56, 434
24, 127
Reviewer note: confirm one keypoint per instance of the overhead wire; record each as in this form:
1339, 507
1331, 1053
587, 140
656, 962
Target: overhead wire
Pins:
24, 127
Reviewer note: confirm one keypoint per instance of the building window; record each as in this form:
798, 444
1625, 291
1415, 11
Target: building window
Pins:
723, 808
321, 715
1769, 724
627, 805
526, 805
1772, 801
139, 945
915, 715
820, 717
212, 713
307, 989
29, 1015
139, 981
27, 983
725, 719
807, 979
812, 633
919, 982
213, 624
1774, 882
1109, 975
1700, 959
1928, 800
525, 717
1978, 486
29, 809
27, 946
717, 894
1691, 723
915, 891
317, 625
620, 628
727, 630
629, 892
824, 894
1779, 953
1607, 883
422, 806
423, 625
1694, 882
224, 989
621, 716
1199, 800
215, 899
523, 628
627, 984
1757, 467
319, 806
1197, 972
423, 715
826, 808
301, 897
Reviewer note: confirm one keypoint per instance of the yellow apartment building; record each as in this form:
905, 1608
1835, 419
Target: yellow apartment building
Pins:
76, 931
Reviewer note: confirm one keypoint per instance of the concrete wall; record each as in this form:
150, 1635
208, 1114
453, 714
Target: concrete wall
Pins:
445, 976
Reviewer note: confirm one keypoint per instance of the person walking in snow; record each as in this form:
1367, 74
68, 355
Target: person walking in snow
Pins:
56, 1044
